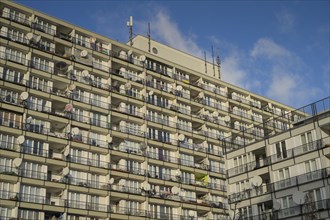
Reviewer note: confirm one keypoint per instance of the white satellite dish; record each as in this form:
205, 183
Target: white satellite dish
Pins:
246, 186
37, 38
28, 120
256, 181
276, 205
151, 92
121, 182
191, 213
65, 171
75, 131
68, 107
128, 86
175, 190
142, 58
20, 139
146, 186
71, 87
111, 181
66, 151
143, 146
226, 118
17, 162
24, 95
149, 78
109, 138
215, 114
29, 36
85, 73
179, 88
298, 197
84, 53
178, 173
201, 95
181, 137
70, 69
130, 52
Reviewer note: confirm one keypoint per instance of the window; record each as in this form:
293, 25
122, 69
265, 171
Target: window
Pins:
7, 141
12, 55
43, 64
28, 214
32, 170
281, 150
11, 75
284, 178
32, 194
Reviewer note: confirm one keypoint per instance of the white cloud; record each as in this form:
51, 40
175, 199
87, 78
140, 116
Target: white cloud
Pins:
269, 49
286, 20
232, 72
168, 32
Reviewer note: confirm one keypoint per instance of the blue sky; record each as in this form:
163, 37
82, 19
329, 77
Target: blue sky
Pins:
278, 49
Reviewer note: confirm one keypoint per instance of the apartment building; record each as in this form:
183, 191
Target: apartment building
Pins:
94, 129
285, 176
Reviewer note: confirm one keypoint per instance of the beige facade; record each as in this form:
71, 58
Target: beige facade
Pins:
91, 128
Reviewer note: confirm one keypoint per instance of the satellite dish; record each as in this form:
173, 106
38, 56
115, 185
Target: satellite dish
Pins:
84, 53
179, 88
181, 137
20, 139
85, 73
298, 197
128, 86
130, 52
142, 58
37, 39
121, 182
17, 162
256, 181
175, 190
149, 78
29, 36
215, 114
276, 205
66, 150
65, 171
75, 131
227, 118
108, 138
201, 95
68, 107
28, 120
70, 69
111, 181
143, 146
191, 213
157, 189
24, 95
246, 186
71, 87
146, 186
151, 92
178, 173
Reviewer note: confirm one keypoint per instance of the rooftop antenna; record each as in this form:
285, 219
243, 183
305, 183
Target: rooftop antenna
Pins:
219, 63
130, 25
149, 38
205, 62
213, 62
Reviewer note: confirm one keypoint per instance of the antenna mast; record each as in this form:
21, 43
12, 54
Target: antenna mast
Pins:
130, 25
149, 38
219, 63
213, 62
205, 62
